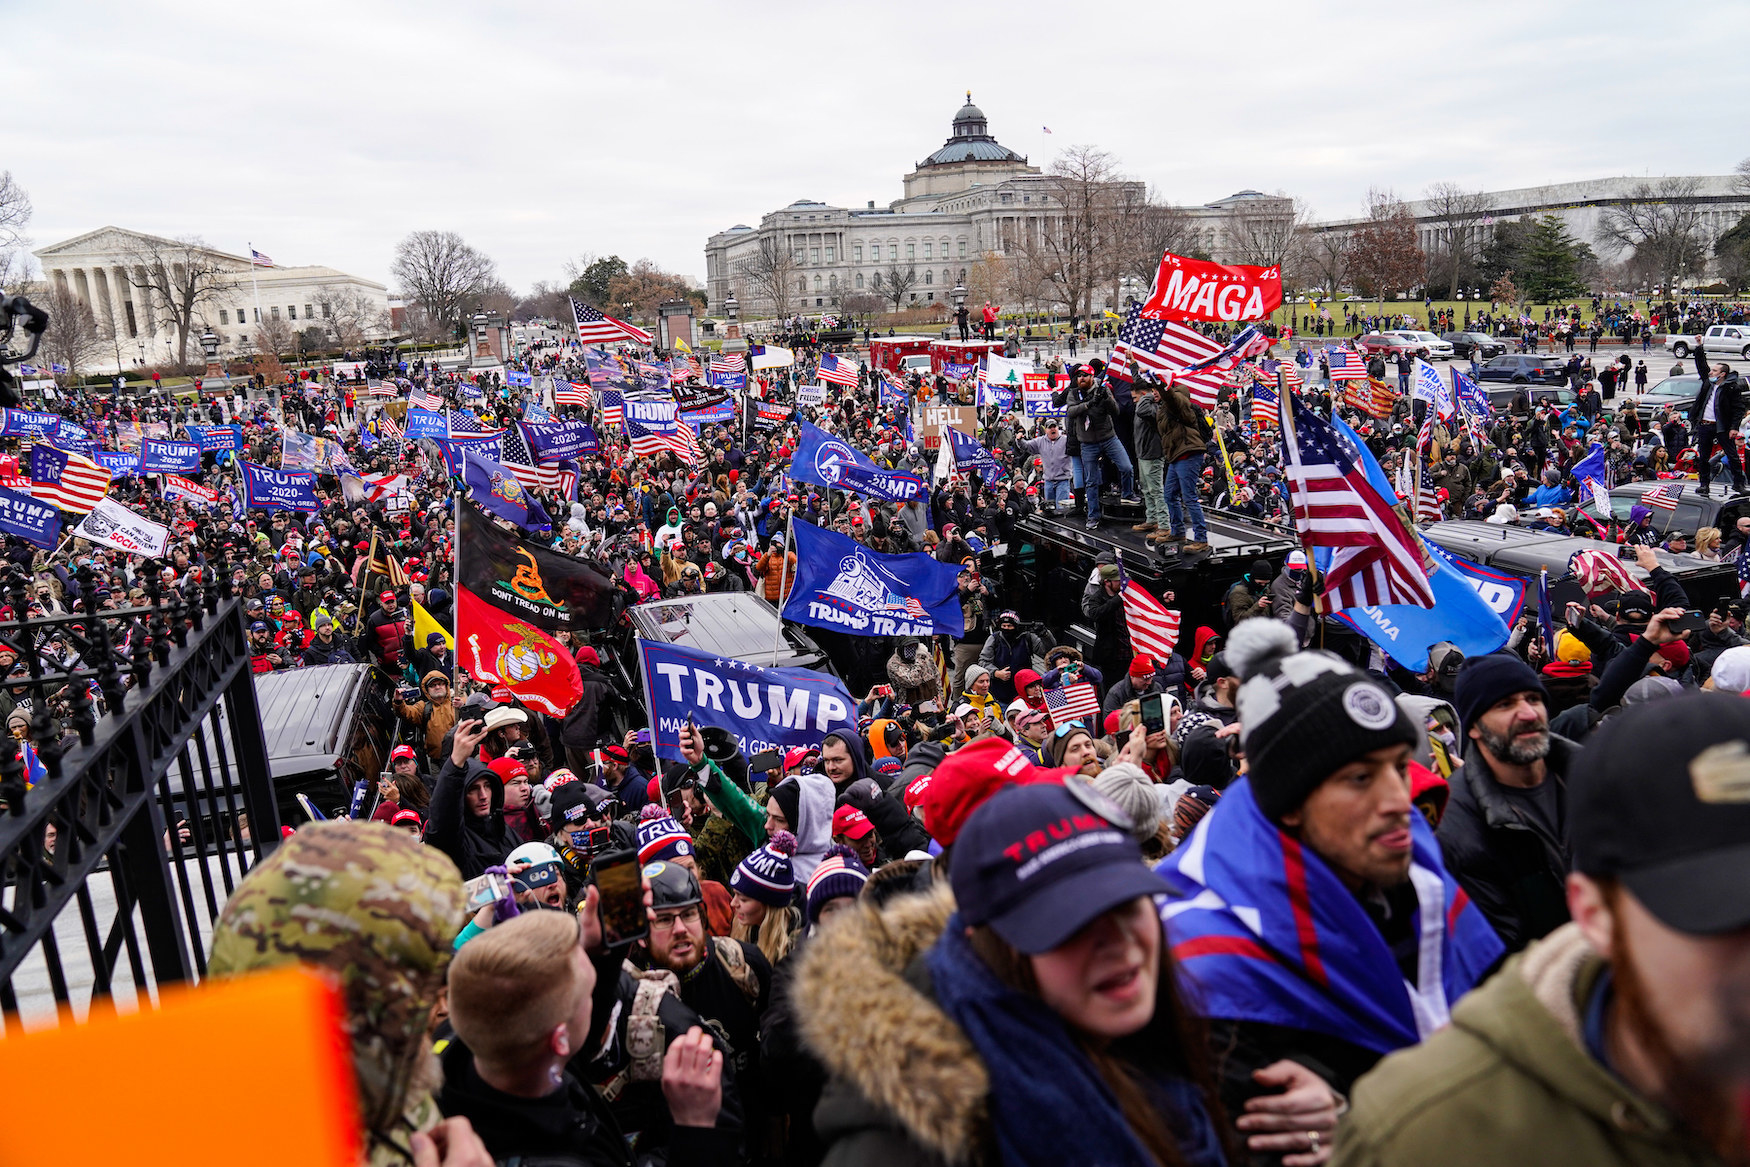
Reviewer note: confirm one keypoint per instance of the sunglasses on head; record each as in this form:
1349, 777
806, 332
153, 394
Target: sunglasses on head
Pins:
1068, 727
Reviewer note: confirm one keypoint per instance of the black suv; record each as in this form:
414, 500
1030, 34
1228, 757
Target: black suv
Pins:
1464, 343
1524, 368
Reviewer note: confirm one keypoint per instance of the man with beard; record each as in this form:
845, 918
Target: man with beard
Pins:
1505, 831
1623, 1037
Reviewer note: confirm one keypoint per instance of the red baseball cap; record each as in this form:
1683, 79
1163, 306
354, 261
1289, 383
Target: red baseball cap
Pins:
507, 769
851, 823
402, 818
969, 776
390, 596
399, 752
914, 794
502, 694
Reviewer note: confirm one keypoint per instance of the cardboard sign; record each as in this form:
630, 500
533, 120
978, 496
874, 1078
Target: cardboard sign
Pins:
961, 417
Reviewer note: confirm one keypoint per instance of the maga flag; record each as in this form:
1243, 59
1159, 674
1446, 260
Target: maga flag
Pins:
1192, 289
521, 577
503, 650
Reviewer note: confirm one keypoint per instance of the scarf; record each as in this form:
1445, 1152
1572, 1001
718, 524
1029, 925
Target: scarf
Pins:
1048, 1104
1267, 932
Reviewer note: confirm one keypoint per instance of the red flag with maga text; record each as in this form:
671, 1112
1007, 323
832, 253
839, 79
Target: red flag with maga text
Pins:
1193, 289
498, 648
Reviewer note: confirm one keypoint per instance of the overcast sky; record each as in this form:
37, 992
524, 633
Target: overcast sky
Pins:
324, 132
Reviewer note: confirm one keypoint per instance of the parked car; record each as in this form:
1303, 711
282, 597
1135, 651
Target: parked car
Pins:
1388, 343
1531, 396
1523, 368
1464, 343
1429, 346
1721, 340
1525, 554
1694, 509
1678, 391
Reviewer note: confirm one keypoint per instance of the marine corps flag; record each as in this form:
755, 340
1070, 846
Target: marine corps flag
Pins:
520, 577
503, 650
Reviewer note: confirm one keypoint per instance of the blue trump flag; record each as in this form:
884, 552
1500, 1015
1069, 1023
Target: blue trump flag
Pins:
33, 521
1468, 611
214, 438
550, 441
497, 491
426, 423
267, 489
969, 455
824, 460
170, 457
119, 463
761, 708
23, 423
841, 584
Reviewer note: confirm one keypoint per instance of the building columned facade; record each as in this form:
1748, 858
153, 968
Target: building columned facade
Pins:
104, 269
971, 198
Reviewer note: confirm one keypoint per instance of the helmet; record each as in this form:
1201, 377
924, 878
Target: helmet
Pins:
535, 853
544, 870
671, 886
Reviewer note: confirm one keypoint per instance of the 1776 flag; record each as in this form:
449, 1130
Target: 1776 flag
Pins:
1374, 559
595, 328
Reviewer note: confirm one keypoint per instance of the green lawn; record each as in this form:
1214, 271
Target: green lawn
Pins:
1415, 308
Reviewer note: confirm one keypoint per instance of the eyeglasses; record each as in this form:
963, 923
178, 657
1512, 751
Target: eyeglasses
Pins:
669, 923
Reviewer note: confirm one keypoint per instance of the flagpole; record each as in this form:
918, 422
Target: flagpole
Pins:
1285, 412
364, 576
783, 581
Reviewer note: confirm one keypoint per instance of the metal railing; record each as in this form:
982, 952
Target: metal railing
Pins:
117, 858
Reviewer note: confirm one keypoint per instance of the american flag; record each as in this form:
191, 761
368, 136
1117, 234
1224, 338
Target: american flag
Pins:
648, 444
418, 398
838, 370
514, 454
571, 393
1662, 496
1600, 573
734, 364
382, 389
1162, 349
1076, 702
1376, 561
66, 480
1154, 628
915, 610
464, 424
257, 259
595, 328
1345, 365
389, 429
683, 367
1425, 435
1264, 405
1744, 571
1427, 500
613, 407
1290, 374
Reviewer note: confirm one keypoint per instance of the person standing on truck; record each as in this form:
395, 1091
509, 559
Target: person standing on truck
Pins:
961, 316
1184, 442
1093, 415
990, 320
1051, 447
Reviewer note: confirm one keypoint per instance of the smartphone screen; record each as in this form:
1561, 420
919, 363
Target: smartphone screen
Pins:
1154, 713
598, 840
620, 885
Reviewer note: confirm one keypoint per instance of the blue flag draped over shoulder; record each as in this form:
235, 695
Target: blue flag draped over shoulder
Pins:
762, 708
824, 460
1266, 932
841, 584
497, 490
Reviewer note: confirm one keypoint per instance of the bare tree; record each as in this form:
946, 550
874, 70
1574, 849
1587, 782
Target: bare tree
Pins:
1661, 224
1073, 245
1741, 176
1459, 213
74, 337
442, 272
772, 272
350, 313
15, 212
1327, 257
897, 284
1385, 253
1263, 232
181, 276
1144, 226
274, 335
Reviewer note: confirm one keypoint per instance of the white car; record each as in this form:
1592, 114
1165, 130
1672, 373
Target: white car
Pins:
1720, 340
1425, 342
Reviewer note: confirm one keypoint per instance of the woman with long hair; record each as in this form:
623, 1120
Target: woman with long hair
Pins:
1033, 1017
762, 892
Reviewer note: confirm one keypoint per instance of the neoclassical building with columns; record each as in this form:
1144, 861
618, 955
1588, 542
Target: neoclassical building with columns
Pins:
103, 269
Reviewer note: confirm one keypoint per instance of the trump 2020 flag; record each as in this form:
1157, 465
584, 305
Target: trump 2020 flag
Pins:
761, 708
841, 584
170, 457
28, 518
267, 489
497, 490
969, 455
824, 460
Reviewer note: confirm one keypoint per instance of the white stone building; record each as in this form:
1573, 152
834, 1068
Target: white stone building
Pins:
103, 269
971, 198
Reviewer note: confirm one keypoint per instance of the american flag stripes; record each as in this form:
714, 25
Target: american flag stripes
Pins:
647, 443
1076, 702
418, 398
1662, 496
838, 370
571, 393
613, 407
729, 364
256, 259
1163, 349
1600, 573
464, 423
514, 455
1744, 571
1154, 628
595, 328
1345, 365
1264, 403
1427, 508
1375, 561
389, 429
66, 480
1374, 398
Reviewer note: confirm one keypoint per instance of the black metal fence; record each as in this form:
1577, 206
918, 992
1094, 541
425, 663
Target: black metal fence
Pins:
117, 858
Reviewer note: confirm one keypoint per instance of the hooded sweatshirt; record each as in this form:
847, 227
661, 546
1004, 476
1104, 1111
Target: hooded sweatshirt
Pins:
438, 718
812, 797
474, 843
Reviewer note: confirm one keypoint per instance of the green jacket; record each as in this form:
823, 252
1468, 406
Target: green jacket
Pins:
1510, 1081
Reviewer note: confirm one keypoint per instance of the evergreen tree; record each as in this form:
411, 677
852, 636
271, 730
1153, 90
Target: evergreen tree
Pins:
1551, 261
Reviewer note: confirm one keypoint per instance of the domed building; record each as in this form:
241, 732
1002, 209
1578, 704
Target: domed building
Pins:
971, 199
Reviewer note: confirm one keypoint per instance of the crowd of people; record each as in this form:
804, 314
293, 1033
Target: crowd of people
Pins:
1272, 902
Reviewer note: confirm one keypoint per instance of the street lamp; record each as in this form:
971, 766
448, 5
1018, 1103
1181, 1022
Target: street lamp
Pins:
479, 323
